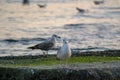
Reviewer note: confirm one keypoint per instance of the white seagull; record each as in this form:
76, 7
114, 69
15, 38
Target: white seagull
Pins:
64, 52
47, 44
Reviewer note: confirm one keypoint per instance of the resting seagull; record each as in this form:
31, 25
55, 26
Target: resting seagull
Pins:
80, 10
47, 44
64, 52
26, 2
97, 2
42, 5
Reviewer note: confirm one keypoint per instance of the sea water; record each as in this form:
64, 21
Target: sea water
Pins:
21, 26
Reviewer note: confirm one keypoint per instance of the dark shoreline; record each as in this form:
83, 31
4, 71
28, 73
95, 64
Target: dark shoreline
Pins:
113, 53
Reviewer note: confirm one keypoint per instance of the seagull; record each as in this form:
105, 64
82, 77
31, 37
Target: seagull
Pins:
98, 2
42, 5
26, 2
47, 44
80, 10
64, 52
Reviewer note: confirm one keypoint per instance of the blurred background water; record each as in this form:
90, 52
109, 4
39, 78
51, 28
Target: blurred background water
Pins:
98, 28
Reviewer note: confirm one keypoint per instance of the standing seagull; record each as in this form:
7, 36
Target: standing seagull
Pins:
47, 44
64, 52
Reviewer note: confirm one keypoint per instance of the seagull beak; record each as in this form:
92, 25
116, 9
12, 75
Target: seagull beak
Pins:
58, 37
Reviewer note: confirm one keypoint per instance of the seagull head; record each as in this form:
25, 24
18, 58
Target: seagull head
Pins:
65, 41
55, 36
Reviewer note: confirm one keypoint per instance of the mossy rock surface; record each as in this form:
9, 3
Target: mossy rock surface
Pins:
83, 71
82, 66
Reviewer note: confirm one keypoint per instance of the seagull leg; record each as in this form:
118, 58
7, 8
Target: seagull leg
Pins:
44, 53
66, 64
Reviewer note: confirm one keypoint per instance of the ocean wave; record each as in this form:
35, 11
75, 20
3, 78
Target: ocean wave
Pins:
22, 40
108, 8
79, 25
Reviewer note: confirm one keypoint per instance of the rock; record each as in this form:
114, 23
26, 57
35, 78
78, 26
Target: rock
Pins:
68, 73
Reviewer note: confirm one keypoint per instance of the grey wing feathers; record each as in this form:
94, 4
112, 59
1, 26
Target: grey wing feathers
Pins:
42, 46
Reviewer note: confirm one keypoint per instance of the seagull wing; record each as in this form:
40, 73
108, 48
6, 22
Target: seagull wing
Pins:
43, 46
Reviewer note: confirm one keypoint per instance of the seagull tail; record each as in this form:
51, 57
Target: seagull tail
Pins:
31, 47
